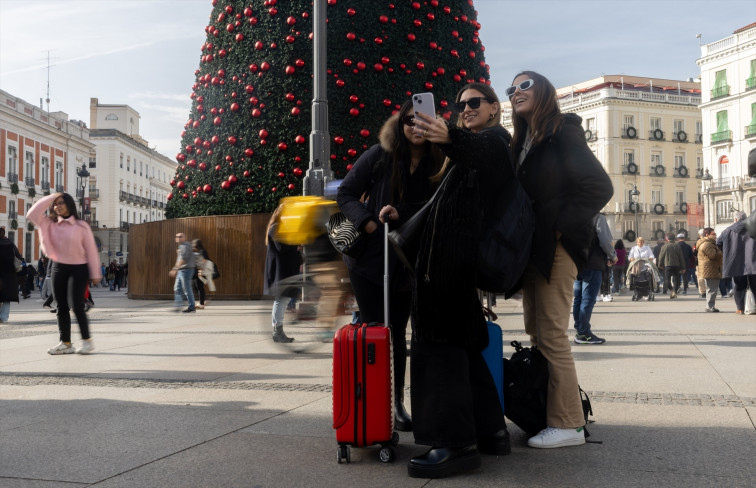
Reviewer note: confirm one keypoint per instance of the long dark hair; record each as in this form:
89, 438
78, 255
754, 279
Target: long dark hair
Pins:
619, 244
399, 151
546, 118
70, 204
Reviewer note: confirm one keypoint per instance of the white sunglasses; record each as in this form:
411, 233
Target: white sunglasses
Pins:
525, 85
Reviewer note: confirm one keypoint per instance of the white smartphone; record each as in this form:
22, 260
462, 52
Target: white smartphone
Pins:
424, 103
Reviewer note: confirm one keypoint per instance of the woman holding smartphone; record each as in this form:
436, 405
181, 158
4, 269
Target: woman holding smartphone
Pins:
388, 183
568, 187
69, 242
455, 404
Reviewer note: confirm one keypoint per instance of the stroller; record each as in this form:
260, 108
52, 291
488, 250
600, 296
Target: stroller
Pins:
643, 279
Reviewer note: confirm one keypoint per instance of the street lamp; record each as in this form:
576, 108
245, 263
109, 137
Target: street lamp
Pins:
83, 175
634, 194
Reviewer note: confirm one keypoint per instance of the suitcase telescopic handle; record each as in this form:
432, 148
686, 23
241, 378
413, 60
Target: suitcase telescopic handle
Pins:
386, 274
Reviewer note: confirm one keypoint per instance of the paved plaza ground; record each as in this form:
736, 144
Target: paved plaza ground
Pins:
207, 400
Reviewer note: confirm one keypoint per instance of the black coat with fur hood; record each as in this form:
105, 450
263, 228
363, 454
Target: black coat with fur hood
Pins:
446, 308
568, 187
371, 175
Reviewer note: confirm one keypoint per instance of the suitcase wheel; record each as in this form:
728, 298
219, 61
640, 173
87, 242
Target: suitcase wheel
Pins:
395, 439
387, 454
344, 454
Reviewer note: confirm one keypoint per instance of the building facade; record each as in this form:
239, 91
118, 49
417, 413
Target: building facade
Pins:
647, 133
129, 182
40, 153
728, 109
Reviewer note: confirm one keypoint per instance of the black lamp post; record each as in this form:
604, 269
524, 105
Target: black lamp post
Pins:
634, 194
83, 175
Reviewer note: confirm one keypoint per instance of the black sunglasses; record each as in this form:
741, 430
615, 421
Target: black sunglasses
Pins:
522, 86
473, 102
408, 120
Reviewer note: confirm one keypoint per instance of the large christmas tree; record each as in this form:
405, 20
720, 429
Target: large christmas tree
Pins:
246, 142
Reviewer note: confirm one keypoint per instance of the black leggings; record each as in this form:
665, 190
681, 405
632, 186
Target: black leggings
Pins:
73, 278
370, 302
198, 285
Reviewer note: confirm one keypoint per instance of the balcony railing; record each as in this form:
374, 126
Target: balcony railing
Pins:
629, 133
750, 131
658, 208
94, 193
720, 185
720, 92
656, 135
123, 196
29, 180
12, 177
699, 173
131, 197
124, 226
658, 170
12, 215
751, 83
59, 188
45, 185
699, 138
681, 172
720, 137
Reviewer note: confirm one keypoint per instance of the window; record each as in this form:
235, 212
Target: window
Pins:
59, 173
751, 128
146, 171
699, 163
111, 117
656, 195
724, 166
724, 211
678, 126
45, 170
121, 160
12, 159
628, 121
140, 168
656, 159
679, 160
720, 89
128, 163
590, 124
12, 209
679, 197
655, 123
28, 248
29, 165
751, 81
629, 157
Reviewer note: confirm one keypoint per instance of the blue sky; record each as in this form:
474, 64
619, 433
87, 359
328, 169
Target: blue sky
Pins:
144, 52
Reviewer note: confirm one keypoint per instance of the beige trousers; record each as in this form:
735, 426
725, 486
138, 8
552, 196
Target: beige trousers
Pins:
546, 307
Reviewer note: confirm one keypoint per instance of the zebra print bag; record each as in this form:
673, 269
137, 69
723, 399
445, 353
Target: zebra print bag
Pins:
344, 235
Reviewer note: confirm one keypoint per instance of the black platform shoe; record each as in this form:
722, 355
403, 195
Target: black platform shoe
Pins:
402, 419
440, 462
496, 444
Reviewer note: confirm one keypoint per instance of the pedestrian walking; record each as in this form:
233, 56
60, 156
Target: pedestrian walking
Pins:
281, 261
618, 270
738, 259
672, 261
710, 266
569, 187
70, 244
8, 276
183, 271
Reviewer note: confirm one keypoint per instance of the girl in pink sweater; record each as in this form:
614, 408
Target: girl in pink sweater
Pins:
69, 242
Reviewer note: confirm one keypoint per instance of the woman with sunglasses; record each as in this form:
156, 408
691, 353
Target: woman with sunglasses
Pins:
455, 404
388, 183
70, 244
568, 186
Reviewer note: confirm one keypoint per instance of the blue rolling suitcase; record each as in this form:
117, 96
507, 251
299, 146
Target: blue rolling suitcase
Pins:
494, 354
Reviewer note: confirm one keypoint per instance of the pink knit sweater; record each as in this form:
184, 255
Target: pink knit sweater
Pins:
67, 241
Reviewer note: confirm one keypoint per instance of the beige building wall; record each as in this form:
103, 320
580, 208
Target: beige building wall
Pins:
646, 133
728, 86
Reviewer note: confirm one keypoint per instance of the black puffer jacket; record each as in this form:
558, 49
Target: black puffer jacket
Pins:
8, 277
568, 187
446, 308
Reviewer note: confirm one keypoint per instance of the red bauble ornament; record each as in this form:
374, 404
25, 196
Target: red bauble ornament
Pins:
207, 188
249, 152
232, 140
295, 111
217, 121
253, 67
234, 107
246, 173
232, 179
169, 197
349, 167
291, 20
290, 70
282, 146
180, 185
291, 186
173, 183
365, 133
181, 157
354, 112
457, 78
300, 139
428, 85
299, 63
256, 112
239, 37
340, 83
411, 37
383, 19
352, 152
338, 140
203, 166
250, 190
297, 171
263, 134
217, 167
192, 163
226, 185
420, 65
351, 36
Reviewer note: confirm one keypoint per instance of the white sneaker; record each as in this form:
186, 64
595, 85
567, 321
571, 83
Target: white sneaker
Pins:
607, 298
551, 437
62, 348
87, 346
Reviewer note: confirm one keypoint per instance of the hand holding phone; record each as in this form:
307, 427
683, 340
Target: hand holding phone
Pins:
424, 103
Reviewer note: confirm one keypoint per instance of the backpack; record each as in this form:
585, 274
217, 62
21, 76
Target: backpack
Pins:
505, 244
526, 380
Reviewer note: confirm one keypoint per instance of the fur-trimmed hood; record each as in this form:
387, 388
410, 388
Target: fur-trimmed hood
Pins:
387, 136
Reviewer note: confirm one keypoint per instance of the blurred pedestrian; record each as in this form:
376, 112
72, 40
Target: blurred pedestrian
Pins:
182, 271
8, 276
672, 261
618, 269
281, 261
710, 266
738, 259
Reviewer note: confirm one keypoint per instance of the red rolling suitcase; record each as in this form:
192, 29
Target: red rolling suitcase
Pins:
363, 385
